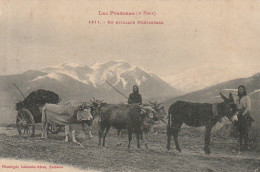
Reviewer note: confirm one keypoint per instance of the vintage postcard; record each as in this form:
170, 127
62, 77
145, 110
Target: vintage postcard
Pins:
133, 85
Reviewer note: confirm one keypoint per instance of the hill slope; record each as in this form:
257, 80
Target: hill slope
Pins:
211, 94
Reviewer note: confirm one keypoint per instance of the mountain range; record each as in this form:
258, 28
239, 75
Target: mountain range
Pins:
77, 81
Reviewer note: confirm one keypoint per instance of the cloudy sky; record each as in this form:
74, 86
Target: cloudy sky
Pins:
39, 33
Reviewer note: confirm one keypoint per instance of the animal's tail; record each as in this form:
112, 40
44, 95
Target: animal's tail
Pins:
172, 122
169, 118
44, 122
172, 117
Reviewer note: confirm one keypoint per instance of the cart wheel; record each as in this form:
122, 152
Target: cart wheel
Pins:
25, 123
54, 129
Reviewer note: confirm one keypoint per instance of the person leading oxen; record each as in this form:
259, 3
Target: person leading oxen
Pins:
135, 97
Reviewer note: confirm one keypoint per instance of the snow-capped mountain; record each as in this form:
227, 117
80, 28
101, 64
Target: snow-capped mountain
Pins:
207, 75
118, 72
74, 70
78, 81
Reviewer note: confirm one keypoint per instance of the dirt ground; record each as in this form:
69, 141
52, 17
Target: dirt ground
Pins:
119, 158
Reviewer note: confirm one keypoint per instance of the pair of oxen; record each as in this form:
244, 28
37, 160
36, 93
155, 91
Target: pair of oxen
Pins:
134, 118
139, 119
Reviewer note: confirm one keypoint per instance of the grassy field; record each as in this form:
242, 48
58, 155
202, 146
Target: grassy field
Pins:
119, 158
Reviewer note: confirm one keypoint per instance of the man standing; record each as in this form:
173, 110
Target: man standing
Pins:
135, 97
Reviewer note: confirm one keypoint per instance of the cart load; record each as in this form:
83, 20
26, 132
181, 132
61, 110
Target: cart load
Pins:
29, 111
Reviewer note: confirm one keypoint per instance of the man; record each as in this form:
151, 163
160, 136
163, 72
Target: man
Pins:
135, 97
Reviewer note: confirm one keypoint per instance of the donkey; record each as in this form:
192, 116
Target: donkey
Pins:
198, 115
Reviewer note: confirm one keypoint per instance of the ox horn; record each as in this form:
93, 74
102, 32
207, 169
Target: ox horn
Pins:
161, 106
157, 104
153, 103
93, 99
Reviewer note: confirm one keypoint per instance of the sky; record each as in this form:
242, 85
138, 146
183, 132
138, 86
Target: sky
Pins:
37, 33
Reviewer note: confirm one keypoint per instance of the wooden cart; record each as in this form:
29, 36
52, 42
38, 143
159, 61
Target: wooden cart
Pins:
29, 112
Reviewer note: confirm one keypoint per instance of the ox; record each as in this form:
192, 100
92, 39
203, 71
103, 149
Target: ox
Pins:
65, 115
198, 115
150, 122
94, 106
123, 116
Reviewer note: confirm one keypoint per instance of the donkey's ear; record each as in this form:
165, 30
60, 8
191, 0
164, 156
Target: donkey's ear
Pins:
231, 97
223, 97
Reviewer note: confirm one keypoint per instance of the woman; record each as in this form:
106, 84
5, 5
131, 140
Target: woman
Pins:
244, 102
244, 118
135, 97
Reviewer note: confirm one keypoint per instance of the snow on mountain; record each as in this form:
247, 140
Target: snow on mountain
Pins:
71, 69
114, 71
50, 75
120, 74
97, 74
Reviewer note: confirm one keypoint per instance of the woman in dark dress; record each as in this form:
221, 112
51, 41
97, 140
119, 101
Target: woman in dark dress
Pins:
135, 97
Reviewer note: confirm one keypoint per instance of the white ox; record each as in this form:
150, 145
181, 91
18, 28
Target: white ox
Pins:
65, 115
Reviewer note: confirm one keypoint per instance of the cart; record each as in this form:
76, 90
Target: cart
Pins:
29, 112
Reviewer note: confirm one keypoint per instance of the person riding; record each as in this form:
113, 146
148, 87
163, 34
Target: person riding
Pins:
135, 97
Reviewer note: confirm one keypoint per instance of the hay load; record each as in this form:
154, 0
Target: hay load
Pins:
36, 99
